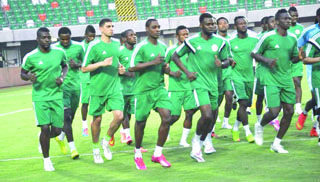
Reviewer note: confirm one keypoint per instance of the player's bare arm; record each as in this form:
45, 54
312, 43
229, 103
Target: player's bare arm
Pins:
92, 67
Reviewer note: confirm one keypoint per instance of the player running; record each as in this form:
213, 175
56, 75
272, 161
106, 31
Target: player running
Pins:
46, 68
242, 75
203, 49
102, 61
275, 50
127, 81
180, 92
71, 87
148, 64
90, 34
297, 69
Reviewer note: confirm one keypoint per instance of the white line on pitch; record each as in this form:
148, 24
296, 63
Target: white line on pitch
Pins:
151, 149
17, 94
17, 111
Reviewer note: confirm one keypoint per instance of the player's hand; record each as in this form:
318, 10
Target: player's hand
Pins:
121, 69
272, 62
302, 54
107, 62
73, 64
59, 80
159, 60
32, 77
191, 75
217, 61
232, 62
166, 68
177, 74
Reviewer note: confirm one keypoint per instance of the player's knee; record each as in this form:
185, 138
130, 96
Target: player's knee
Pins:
274, 112
288, 111
207, 117
97, 119
118, 116
45, 129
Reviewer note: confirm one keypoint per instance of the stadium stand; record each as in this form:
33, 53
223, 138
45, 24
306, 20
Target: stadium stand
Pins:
22, 14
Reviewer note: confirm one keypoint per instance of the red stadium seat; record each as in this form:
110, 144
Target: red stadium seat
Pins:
6, 7
203, 9
180, 11
54, 4
42, 17
90, 13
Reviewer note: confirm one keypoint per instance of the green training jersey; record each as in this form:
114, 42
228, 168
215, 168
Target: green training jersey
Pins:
313, 51
85, 77
202, 59
74, 51
153, 76
103, 80
274, 46
297, 30
126, 82
47, 67
241, 49
177, 84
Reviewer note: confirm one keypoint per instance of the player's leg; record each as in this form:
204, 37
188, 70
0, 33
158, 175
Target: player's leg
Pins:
297, 85
126, 118
303, 116
272, 95
96, 109
260, 97
208, 146
114, 103
84, 113
187, 124
288, 111
228, 92
142, 111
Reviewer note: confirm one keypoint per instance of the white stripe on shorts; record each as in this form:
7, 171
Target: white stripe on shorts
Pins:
265, 95
234, 90
35, 113
318, 97
196, 97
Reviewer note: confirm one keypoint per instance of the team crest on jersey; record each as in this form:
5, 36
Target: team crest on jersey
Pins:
236, 47
104, 52
297, 32
40, 62
214, 48
152, 55
199, 48
127, 58
277, 46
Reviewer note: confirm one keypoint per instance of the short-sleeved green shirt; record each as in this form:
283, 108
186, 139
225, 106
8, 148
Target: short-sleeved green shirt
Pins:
104, 80
76, 52
241, 49
177, 84
153, 76
202, 59
297, 30
126, 82
85, 77
47, 67
313, 50
274, 46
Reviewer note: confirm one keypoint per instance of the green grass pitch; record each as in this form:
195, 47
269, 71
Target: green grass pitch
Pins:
21, 161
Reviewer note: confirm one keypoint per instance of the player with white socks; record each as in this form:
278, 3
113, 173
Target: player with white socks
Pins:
277, 47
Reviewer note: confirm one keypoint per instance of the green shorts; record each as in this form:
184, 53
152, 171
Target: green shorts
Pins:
182, 98
128, 104
71, 99
275, 95
85, 93
205, 97
152, 99
110, 102
258, 90
49, 112
297, 69
227, 85
242, 90
316, 92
